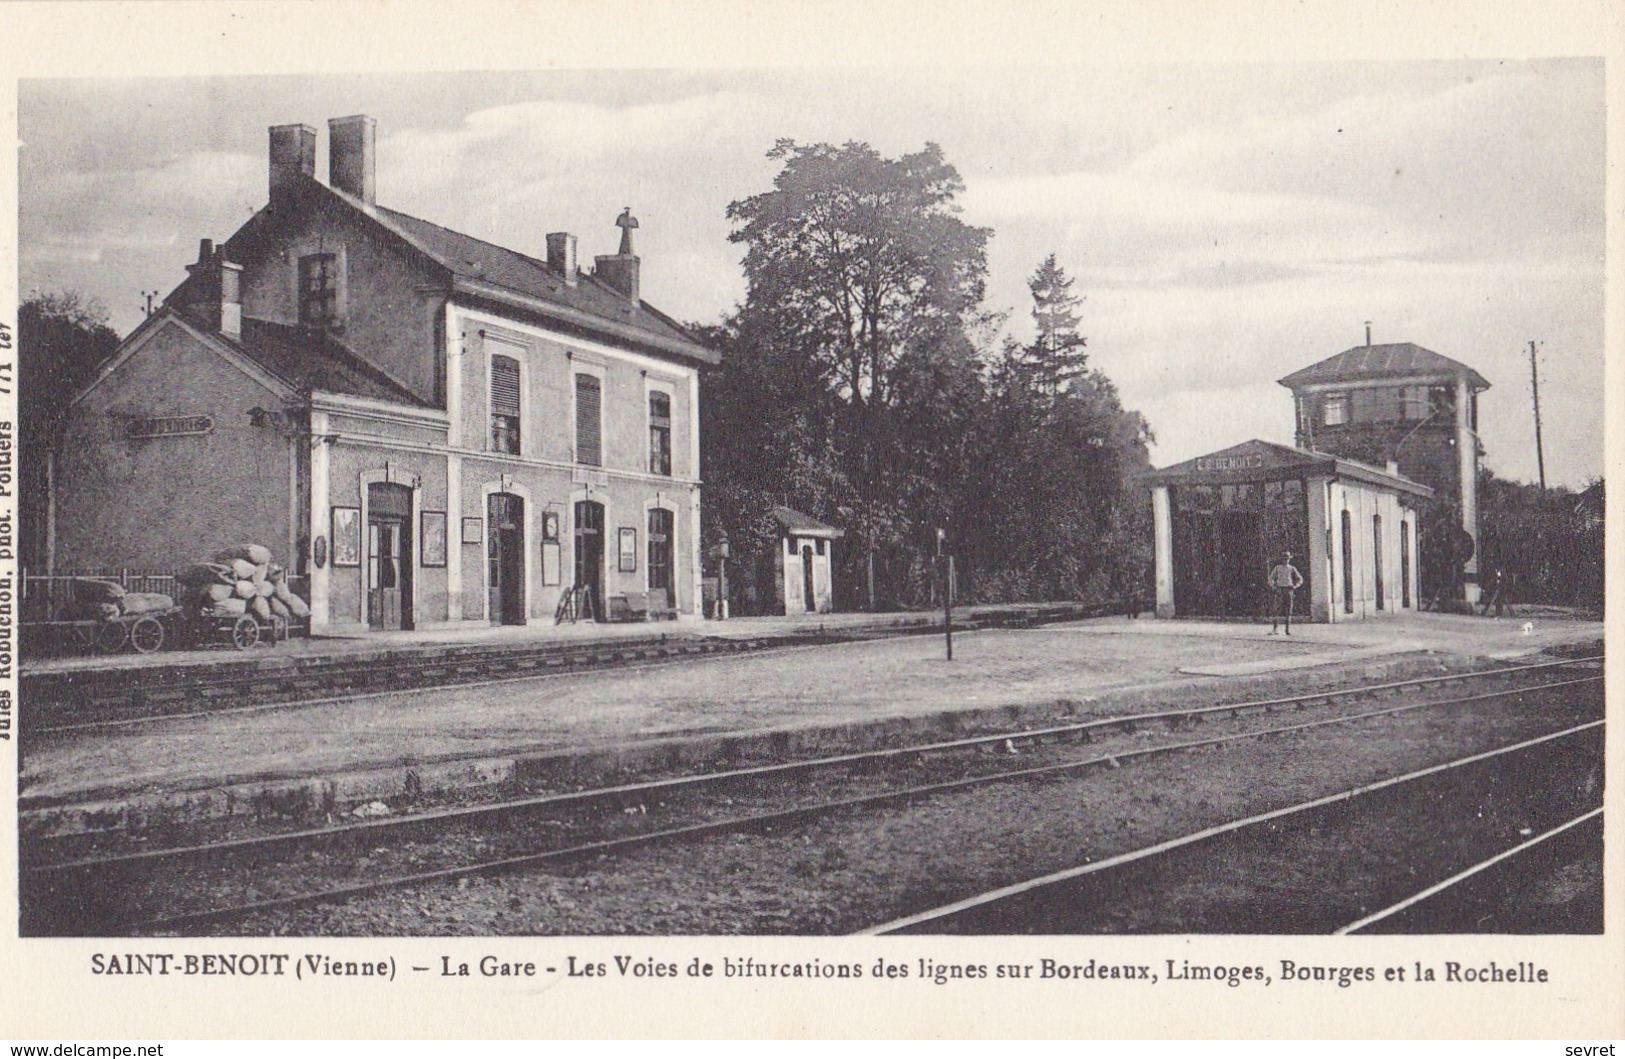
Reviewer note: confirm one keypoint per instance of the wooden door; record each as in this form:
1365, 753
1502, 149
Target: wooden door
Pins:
505, 554
589, 548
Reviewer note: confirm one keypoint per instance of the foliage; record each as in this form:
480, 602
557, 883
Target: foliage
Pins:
860, 385
1548, 543
62, 339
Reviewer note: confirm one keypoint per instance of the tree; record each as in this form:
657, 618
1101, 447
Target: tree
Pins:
864, 292
1056, 355
1060, 519
62, 339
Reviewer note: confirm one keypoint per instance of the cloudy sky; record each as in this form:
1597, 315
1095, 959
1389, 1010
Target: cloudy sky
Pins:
1226, 224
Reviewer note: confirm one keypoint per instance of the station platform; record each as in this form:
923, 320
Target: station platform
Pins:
326, 758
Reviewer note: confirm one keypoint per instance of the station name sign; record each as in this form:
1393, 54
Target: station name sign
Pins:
169, 426
1248, 462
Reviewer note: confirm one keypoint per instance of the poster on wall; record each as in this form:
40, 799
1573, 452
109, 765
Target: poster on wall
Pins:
551, 563
629, 549
473, 530
346, 536
434, 538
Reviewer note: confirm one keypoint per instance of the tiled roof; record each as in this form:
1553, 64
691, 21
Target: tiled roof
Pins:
1256, 459
313, 360
795, 522
475, 259
1389, 360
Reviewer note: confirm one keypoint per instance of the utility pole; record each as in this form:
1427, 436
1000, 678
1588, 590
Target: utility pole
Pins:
1534, 389
148, 296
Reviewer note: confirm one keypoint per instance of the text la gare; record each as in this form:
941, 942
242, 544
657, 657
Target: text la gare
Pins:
489, 966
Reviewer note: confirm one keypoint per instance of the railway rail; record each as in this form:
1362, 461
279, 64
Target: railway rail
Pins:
1417, 906
1080, 899
126, 891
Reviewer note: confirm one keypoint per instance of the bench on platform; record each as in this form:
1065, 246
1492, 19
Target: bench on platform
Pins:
641, 606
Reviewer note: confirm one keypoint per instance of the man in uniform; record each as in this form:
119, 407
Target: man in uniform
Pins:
1284, 581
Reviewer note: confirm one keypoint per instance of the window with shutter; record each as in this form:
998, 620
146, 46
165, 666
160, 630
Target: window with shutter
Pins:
659, 433
589, 421
505, 405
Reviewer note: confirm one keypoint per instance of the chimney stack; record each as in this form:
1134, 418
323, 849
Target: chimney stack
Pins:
293, 156
561, 255
1368, 334
217, 296
621, 270
352, 157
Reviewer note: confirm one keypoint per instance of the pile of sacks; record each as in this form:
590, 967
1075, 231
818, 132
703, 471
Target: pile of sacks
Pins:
241, 580
106, 600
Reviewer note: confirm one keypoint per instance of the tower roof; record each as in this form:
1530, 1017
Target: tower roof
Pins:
1391, 360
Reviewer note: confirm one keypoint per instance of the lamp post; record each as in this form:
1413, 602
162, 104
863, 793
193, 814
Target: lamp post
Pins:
722, 577
946, 562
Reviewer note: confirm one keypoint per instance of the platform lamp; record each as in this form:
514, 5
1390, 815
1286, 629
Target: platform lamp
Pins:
946, 562
723, 551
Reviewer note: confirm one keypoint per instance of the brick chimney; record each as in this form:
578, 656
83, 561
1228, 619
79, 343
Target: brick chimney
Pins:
621, 270
217, 296
293, 156
352, 156
561, 255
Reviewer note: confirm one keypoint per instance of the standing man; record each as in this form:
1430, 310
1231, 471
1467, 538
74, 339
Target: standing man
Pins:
1495, 595
1284, 581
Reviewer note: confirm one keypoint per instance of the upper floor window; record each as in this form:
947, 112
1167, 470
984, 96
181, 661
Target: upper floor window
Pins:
504, 405
589, 420
659, 433
1335, 409
319, 290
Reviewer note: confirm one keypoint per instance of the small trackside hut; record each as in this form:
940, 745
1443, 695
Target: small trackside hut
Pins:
1224, 519
802, 570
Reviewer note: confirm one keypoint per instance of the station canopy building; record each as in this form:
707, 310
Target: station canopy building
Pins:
1223, 520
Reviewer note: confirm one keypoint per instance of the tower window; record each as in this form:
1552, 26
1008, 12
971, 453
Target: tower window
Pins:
1335, 409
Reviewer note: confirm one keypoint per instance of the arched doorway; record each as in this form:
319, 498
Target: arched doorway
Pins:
505, 550
389, 556
589, 548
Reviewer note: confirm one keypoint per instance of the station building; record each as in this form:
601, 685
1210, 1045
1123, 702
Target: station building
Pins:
1223, 520
426, 428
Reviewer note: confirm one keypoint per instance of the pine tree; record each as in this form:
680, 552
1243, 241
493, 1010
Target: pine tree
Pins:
1056, 355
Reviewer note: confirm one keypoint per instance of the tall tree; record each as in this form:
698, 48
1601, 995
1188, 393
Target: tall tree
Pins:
864, 287
1061, 520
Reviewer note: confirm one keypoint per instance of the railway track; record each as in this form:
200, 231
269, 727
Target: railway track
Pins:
80, 700
187, 887
1475, 898
1302, 868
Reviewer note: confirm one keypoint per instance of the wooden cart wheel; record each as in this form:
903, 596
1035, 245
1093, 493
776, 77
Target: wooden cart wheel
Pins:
245, 632
110, 637
147, 634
